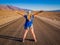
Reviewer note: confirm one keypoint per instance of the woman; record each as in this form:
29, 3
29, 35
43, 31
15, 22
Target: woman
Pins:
29, 24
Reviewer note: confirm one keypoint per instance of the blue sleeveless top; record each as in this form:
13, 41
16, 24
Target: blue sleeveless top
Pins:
28, 23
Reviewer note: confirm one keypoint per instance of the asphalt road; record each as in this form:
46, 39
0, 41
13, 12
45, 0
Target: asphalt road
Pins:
46, 34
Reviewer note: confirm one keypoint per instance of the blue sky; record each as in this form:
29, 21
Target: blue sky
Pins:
34, 4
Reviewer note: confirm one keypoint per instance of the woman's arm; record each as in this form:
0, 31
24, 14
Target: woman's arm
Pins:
37, 12
19, 13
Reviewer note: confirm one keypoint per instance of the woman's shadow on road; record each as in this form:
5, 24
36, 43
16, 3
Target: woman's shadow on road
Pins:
11, 38
14, 38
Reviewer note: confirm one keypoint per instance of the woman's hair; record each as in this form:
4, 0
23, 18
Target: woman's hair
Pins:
29, 15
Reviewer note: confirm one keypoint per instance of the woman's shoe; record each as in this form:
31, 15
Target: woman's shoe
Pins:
35, 40
23, 40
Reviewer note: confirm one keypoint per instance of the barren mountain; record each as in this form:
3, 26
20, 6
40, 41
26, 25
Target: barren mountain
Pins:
9, 7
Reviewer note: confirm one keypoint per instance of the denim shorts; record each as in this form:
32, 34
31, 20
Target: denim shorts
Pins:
27, 25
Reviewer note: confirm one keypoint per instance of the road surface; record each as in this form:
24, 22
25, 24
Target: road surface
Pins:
46, 34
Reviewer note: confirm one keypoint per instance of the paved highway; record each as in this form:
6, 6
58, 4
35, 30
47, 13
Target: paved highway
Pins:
46, 34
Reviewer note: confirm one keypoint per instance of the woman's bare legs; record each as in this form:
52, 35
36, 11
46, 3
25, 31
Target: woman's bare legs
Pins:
32, 30
26, 31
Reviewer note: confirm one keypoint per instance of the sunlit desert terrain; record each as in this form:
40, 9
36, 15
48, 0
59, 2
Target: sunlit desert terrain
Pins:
51, 15
8, 13
6, 16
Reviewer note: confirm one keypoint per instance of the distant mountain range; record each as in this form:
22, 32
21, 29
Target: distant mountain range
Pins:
54, 11
9, 7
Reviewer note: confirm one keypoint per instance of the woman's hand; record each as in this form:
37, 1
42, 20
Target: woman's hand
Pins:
38, 12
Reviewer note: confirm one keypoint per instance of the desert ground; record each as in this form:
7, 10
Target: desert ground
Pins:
46, 27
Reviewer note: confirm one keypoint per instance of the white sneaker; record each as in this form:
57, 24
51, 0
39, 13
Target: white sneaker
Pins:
35, 40
23, 40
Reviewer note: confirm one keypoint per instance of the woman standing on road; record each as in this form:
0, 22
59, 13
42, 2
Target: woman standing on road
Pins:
29, 24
